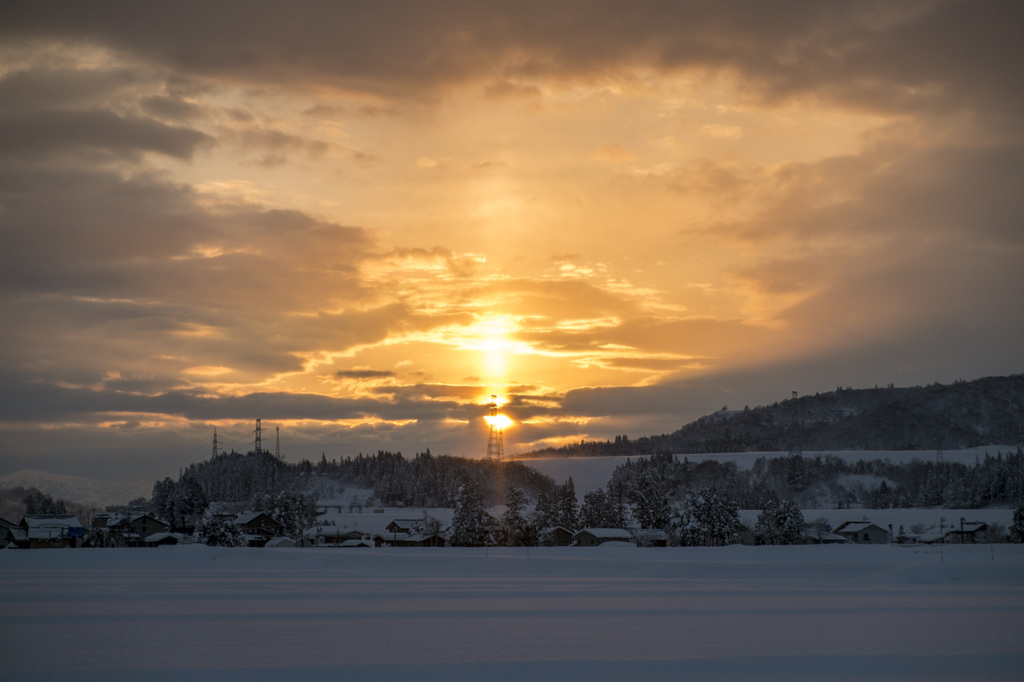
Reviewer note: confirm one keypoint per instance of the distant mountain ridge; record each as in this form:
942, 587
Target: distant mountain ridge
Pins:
960, 415
75, 488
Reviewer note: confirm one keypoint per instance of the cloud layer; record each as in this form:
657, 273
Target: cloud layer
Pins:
359, 222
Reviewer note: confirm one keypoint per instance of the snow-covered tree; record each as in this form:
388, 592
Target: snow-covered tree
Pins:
513, 521
545, 514
294, 511
162, 501
190, 503
1017, 527
708, 517
218, 530
471, 522
649, 499
567, 507
780, 523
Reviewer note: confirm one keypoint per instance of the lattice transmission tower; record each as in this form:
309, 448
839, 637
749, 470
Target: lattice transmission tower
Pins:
495, 434
259, 437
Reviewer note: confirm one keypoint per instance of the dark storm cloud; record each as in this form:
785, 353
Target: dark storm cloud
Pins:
60, 131
941, 191
28, 401
937, 55
42, 89
173, 108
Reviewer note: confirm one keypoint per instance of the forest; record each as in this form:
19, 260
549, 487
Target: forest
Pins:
961, 415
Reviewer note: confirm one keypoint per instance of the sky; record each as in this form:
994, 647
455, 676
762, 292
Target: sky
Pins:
357, 222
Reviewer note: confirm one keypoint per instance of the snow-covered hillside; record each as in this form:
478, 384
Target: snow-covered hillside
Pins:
591, 473
591, 614
76, 488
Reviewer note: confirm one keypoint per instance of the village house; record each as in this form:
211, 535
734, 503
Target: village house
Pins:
258, 527
592, 537
556, 536
863, 533
44, 531
968, 532
6, 534
132, 529
335, 536
420, 532
162, 539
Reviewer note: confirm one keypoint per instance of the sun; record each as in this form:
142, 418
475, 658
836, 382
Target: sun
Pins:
499, 421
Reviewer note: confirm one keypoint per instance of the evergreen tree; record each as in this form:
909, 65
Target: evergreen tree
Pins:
1017, 527
708, 517
595, 512
545, 515
650, 500
220, 531
471, 522
567, 506
190, 502
162, 501
513, 521
780, 523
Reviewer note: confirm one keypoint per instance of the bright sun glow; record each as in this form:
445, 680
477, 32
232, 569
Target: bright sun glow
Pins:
499, 421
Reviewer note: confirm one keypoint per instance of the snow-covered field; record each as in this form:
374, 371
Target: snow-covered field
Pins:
606, 613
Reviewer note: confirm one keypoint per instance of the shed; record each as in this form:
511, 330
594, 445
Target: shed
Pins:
863, 532
556, 536
968, 532
592, 537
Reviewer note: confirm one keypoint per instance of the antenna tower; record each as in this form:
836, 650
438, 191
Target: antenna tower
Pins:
259, 437
495, 434
215, 441
277, 448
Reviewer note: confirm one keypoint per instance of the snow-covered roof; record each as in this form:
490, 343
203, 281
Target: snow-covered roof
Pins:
608, 533
247, 517
824, 536
280, 542
49, 527
374, 522
857, 527
356, 543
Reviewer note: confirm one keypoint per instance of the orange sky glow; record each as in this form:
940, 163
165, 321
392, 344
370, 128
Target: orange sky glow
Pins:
358, 222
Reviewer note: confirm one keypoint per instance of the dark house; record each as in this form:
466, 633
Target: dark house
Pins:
259, 527
36, 532
863, 532
592, 537
556, 536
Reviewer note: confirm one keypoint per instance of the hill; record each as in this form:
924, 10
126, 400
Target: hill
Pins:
86, 491
961, 415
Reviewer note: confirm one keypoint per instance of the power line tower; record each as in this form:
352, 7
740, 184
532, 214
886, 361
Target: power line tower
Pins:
215, 452
277, 447
259, 437
495, 434
795, 446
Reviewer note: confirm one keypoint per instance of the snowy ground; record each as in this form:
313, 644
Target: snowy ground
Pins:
606, 613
